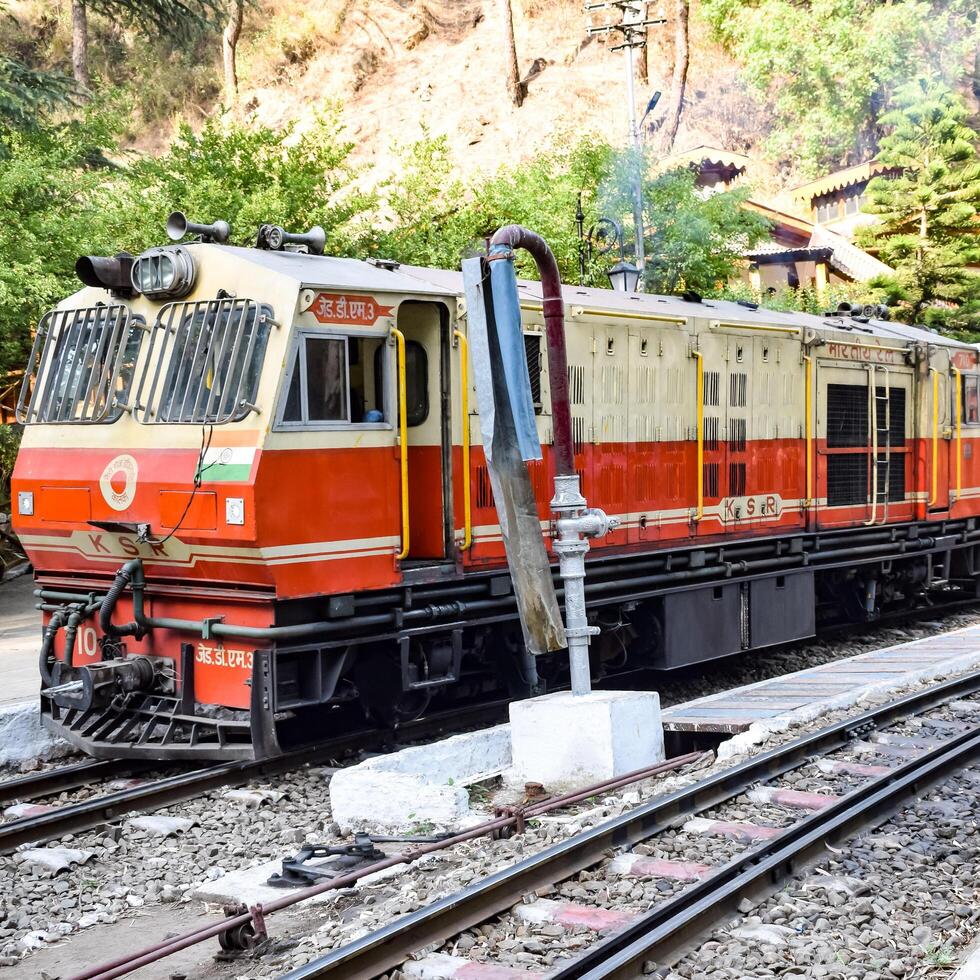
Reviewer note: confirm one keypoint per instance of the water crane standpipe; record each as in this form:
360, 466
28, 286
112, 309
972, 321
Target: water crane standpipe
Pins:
576, 521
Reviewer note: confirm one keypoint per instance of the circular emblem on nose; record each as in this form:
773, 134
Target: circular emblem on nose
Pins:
118, 481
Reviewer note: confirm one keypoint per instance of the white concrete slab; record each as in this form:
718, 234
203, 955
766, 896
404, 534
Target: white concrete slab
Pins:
418, 786
563, 740
248, 885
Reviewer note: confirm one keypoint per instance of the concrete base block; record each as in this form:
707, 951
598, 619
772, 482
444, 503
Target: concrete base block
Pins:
22, 739
424, 784
563, 741
248, 885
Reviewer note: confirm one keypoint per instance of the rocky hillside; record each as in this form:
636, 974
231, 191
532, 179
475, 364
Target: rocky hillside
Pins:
400, 68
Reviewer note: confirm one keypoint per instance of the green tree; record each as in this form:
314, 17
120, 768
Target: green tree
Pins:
60, 200
249, 175
693, 241
51, 198
176, 18
927, 227
26, 93
696, 242
827, 67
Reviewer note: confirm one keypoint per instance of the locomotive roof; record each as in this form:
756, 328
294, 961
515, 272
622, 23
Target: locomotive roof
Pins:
329, 271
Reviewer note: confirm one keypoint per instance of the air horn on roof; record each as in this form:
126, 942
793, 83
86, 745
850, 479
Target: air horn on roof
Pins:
178, 226
276, 239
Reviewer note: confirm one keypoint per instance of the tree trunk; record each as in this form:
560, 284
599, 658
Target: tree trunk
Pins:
678, 82
229, 46
514, 87
79, 42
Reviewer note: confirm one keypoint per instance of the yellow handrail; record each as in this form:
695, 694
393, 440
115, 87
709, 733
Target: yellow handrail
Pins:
959, 428
872, 394
464, 386
402, 436
611, 314
808, 426
935, 437
700, 511
764, 327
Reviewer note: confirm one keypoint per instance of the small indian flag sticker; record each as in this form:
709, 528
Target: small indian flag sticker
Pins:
227, 463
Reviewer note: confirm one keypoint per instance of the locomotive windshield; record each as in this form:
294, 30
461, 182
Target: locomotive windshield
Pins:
204, 363
81, 366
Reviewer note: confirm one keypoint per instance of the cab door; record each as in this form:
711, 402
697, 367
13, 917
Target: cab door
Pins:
425, 327
938, 442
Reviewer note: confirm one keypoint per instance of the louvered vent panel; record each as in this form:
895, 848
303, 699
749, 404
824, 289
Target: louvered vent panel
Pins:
737, 388
736, 435
711, 432
736, 479
482, 493
712, 380
644, 391
711, 479
576, 384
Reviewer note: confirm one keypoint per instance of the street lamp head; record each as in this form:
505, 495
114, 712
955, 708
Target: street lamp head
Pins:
624, 277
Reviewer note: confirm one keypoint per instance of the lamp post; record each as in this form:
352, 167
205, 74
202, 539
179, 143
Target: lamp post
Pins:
632, 28
624, 277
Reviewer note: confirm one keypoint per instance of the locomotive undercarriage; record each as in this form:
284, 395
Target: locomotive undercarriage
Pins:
444, 639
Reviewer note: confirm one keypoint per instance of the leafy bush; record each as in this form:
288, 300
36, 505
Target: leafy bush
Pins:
248, 175
9, 443
829, 67
51, 196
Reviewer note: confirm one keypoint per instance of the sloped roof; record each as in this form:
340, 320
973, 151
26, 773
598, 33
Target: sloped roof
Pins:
847, 258
705, 154
840, 178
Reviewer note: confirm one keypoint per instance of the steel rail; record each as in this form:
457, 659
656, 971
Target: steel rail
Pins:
381, 951
51, 781
252, 917
163, 792
668, 929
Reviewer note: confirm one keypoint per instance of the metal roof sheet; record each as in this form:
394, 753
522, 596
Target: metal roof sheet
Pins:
327, 271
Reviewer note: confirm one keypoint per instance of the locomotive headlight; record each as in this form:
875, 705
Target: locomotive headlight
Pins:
164, 273
25, 502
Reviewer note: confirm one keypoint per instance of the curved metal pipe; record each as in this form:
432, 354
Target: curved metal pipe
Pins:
514, 237
74, 618
46, 656
132, 570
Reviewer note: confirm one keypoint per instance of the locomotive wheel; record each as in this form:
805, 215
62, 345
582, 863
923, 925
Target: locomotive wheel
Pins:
377, 675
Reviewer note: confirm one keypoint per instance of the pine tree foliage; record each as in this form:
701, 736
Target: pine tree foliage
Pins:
173, 17
927, 227
26, 93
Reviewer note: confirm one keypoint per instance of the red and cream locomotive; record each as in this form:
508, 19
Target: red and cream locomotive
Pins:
230, 562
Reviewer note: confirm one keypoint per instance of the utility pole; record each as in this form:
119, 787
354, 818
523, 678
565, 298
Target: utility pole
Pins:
632, 27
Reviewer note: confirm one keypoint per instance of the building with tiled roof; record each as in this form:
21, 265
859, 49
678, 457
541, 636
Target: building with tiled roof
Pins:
811, 225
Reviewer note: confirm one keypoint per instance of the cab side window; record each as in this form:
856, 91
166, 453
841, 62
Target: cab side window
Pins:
335, 380
971, 399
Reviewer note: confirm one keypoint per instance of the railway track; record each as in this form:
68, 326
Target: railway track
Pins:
37, 785
763, 855
155, 794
